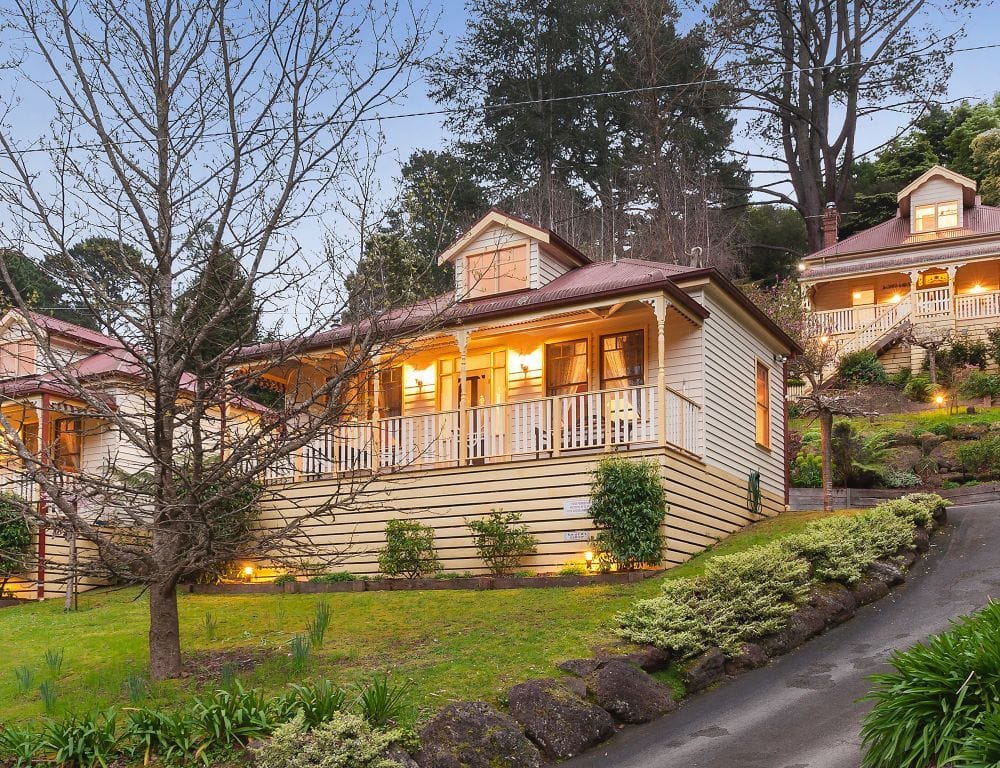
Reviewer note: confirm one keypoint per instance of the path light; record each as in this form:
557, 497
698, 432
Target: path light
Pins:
248, 573
589, 557
939, 399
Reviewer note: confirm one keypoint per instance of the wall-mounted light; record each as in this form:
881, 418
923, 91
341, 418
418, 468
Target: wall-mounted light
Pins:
895, 298
977, 288
856, 295
801, 266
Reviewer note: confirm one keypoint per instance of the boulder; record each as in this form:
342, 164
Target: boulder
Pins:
579, 667
905, 457
704, 670
968, 431
889, 574
921, 540
869, 590
835, 602
928, 441
473, 734
903, 438
805, 623
946, 457
400, 756
649, 658
905, 558
558, 720
750, 656
628, 693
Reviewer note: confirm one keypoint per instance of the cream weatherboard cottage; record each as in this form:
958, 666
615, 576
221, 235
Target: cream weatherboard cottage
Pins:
539, 363
542, 362
936, 263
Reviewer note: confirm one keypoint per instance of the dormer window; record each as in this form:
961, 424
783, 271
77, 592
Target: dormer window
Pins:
928, 218
497, 271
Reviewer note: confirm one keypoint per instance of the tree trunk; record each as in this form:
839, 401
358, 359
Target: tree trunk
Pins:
826, 438
164, 633
932, 363
69, 602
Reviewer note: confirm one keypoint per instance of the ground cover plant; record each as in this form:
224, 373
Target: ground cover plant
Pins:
745, 597
454, 645
939, 705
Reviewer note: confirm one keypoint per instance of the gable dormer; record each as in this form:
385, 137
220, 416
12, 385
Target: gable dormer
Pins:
502, 254
936, 200
18, 351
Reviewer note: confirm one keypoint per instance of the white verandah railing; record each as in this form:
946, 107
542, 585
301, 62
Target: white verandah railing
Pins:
607, 419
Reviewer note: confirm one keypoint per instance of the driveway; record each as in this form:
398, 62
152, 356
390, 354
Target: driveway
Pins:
802, 710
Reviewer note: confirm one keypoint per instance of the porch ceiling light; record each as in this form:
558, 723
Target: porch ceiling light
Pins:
895, 299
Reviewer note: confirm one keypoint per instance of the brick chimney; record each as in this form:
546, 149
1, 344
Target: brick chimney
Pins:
831, 218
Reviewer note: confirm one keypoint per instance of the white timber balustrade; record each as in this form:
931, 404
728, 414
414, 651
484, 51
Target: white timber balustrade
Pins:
932, 302
602, 420
975, 305
876, 330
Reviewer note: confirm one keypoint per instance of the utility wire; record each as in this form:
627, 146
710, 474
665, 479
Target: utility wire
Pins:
535, 102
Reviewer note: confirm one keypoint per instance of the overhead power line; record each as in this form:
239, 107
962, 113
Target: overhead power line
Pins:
441, 111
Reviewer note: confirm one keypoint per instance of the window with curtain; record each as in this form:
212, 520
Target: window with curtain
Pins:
763, 405
67, 444
623, 360
391, 391
566, 367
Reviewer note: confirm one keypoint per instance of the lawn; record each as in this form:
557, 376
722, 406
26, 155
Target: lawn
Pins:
453, 644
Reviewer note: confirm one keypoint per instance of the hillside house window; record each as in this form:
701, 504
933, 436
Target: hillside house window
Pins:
67, 444
622, 360
763, 405
927, 218
17, 357
498, 271
566, 367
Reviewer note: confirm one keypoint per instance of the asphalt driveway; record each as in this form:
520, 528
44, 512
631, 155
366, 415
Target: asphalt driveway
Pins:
802, 710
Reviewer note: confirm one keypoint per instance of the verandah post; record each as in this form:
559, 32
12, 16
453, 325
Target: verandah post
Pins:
376, 427
660, 308
462, 337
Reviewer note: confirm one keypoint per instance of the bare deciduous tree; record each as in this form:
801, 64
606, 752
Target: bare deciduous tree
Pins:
188, 129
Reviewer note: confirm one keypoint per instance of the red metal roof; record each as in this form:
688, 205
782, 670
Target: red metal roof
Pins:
977, 221
73, 331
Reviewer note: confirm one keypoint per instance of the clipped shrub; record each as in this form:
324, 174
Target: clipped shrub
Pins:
345, 741
284, 578
979, 384
861, 367
932, 705
333, 578
993, 334
909, 509
500, 541
738, 598
409, 550
806, 470
628, 506
919, 389
981, 457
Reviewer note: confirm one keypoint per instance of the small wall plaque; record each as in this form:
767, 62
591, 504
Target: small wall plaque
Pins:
577, 507
576, 536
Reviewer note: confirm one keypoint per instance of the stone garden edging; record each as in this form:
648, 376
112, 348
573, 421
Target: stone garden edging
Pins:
553, 719
408, 585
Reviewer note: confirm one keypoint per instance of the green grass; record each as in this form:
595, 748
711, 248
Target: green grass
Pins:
916, 422
454, 644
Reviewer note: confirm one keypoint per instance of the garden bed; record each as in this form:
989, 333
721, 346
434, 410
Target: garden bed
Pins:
408, 585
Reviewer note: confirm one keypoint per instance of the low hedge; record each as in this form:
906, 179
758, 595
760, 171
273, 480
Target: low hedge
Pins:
746, 596
939, 705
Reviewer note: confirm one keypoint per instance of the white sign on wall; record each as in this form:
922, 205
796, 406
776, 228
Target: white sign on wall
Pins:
576, 536
577, 507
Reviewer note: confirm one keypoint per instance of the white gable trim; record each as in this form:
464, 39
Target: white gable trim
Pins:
938, 171
487, 221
